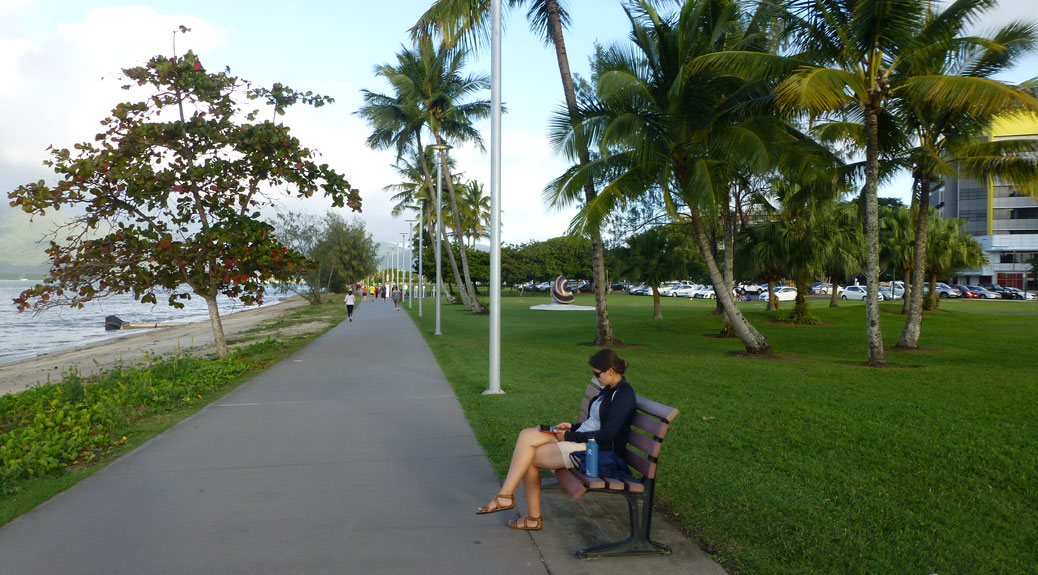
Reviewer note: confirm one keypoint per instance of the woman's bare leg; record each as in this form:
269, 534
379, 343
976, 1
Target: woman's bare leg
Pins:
534, 450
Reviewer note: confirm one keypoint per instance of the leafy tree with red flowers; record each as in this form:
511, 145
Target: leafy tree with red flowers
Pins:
167, 197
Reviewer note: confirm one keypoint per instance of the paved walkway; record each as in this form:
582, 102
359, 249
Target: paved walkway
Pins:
351, 456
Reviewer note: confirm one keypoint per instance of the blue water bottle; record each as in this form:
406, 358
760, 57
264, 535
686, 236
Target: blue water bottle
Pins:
592, 458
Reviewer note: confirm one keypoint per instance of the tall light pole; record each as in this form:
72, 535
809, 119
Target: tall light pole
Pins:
494, 386
407, 261
441, 148
421, 277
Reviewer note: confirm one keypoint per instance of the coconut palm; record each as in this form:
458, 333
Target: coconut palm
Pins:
949, 140
845, 253
475, 211
429, 79
468, 22
896, 246
663, 122
950, 250
853, 57
654, 256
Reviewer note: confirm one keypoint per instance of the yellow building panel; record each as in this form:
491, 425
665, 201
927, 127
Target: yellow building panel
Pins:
1015, 125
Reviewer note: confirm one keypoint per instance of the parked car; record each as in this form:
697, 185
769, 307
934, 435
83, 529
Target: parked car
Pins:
983, 293
543, 286
749, 287
966, 291
708, 293
584, 287
640, 289
668, 287
887, 293
821, 288
857, 293
943, 290
618, 287
687, 291
1001, 291
782, 293
1015, 293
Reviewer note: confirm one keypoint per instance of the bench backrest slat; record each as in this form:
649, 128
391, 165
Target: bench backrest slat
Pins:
650, 446
650, 425
652, 418
644, 466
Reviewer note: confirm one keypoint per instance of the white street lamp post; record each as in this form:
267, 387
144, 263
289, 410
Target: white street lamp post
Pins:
494, 386
421, 276
441, 148
406, 261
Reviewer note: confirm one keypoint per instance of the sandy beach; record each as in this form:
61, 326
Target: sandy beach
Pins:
193, 337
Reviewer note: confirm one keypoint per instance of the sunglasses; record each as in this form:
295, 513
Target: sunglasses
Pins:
597, 373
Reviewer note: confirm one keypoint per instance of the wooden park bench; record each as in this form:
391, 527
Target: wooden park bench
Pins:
643, 450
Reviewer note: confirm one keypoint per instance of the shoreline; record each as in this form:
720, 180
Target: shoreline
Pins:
92, 358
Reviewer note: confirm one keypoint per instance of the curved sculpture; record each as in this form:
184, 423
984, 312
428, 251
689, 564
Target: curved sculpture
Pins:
561, 294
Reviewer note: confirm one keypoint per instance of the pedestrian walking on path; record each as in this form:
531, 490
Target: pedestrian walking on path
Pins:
350, 302
397, 295
610, 416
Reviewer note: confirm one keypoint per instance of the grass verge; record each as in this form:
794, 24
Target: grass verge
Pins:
805, 462
53, 436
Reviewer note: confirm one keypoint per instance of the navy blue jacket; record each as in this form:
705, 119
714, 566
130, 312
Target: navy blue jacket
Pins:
616, 414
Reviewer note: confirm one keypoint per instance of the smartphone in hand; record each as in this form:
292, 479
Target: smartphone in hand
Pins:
548, 428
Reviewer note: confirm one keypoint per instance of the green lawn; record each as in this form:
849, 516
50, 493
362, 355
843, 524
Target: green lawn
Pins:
807, 462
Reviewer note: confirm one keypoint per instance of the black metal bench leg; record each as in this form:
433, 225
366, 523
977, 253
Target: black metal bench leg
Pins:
639, 542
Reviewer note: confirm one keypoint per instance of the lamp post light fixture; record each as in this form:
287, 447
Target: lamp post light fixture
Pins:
441, 148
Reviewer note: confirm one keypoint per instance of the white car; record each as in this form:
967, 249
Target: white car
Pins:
857, 292
782, 293
686, 291
668, 287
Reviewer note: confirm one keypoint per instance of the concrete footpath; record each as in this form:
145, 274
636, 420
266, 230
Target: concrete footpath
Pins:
351, 456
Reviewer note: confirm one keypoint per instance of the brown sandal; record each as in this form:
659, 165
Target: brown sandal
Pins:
496, 506
527, 523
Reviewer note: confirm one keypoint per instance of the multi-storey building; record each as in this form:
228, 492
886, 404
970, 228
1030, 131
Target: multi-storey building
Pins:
1003, 219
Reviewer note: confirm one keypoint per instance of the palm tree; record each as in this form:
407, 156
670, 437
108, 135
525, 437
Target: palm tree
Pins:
897, 242
468, 21
950, 250
854, 58
949, 140
664, 122
654, 256
430, 94
475, 211
845, 253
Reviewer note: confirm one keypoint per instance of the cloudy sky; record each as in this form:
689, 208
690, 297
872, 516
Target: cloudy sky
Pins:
60, 62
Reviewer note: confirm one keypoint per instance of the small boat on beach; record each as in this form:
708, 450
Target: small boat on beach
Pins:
113, 323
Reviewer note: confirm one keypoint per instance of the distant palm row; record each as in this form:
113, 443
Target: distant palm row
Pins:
710, 100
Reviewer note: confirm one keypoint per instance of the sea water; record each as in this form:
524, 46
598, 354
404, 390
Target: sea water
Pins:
27, 334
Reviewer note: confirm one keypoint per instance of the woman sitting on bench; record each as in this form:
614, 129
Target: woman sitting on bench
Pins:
609, 422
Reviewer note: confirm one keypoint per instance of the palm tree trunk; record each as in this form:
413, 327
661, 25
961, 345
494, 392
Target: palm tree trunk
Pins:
463, 293
432, 194
877, 355
604, 335
473, 304
773, 303
914, 322
834, 297
801, 311
729, 264
753, 340
657, 308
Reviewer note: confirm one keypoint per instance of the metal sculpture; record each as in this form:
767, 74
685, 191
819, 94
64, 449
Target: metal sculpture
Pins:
560, 293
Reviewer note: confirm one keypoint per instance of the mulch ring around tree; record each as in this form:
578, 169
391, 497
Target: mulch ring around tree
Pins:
781, 321
768, 356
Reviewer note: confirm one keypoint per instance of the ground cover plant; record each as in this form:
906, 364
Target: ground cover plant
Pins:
54, 435
808, 462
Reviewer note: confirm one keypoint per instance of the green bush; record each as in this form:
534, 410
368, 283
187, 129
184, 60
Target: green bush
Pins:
46, 429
